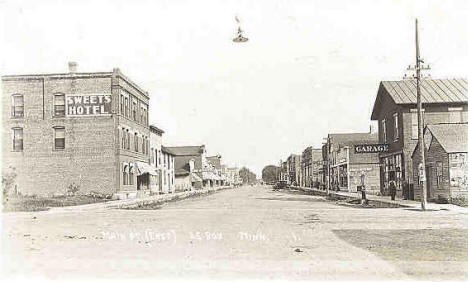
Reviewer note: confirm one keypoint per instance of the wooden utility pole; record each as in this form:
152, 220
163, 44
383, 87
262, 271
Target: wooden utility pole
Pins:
422, 168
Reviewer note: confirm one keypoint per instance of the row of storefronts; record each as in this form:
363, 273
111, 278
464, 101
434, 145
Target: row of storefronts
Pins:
373, 160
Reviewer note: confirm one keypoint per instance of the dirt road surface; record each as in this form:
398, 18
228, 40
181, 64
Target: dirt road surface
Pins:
242, 233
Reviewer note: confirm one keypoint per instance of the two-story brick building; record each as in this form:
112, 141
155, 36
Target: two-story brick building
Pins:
90, 129
352, 163
444, 101
163, 161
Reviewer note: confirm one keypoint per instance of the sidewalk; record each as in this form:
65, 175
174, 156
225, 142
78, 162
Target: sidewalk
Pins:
128, 203
386, 199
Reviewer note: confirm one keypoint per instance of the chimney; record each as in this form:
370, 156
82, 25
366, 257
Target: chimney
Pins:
72, 67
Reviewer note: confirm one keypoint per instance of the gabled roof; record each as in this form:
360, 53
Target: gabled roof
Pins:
186, 150
452, 137
433, 91
215, 161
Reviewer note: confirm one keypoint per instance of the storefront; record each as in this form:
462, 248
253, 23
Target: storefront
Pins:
392, 167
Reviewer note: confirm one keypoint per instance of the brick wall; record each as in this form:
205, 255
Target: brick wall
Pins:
89, 155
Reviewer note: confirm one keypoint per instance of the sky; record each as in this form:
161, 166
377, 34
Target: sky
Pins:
309, 68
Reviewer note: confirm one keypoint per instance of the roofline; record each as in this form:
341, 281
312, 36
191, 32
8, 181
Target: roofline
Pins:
56, 76
156, 129
115, 71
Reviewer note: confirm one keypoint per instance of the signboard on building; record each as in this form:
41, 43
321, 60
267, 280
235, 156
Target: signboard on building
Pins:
89, 105
370, 148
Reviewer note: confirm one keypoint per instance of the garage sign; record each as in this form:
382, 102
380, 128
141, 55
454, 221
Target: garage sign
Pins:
370, 148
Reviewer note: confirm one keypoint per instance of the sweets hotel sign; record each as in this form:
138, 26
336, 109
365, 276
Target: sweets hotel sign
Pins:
89, 105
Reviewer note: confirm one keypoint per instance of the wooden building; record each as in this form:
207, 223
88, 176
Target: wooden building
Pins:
446, 147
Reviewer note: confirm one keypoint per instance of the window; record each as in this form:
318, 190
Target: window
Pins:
125, 171
59, 105
17, 108
124, 137
131, 175
128, 140
455, 115
395, 127
59, 136
159, 157
126, 107
122, 103
384, 131
135, 140
439, 174
414, 123
134, 110
17, 139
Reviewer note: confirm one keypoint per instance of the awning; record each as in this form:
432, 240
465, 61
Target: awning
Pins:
195, 178
143, 168
208, 175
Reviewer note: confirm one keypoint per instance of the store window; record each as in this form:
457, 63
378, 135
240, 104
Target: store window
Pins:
59, 138
131, 175
17, 108
17, 139
125, 172
59, 105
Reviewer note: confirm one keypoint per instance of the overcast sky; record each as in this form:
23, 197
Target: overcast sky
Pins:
309, 68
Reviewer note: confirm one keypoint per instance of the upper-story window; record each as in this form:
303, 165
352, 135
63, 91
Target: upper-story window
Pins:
384, 130
414, 123
128, 140
124, 137
59, 138
17, 139
122, 104
126, 107
396, 132
134, 109
135, 140
17, 105
59, 105
455, 114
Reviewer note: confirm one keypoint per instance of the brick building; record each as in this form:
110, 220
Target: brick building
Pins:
311, 167
90, 129
446, 147
444, 101
163, 162
294, 169
349, 164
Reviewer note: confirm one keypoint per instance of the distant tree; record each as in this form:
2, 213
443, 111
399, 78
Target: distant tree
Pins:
269, 173
247, 176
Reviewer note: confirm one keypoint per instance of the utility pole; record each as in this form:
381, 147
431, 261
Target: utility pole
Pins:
422, 166
328, 164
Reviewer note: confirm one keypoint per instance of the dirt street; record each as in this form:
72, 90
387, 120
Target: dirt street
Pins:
242, 233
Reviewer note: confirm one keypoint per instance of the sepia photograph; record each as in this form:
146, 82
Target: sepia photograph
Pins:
234, 140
